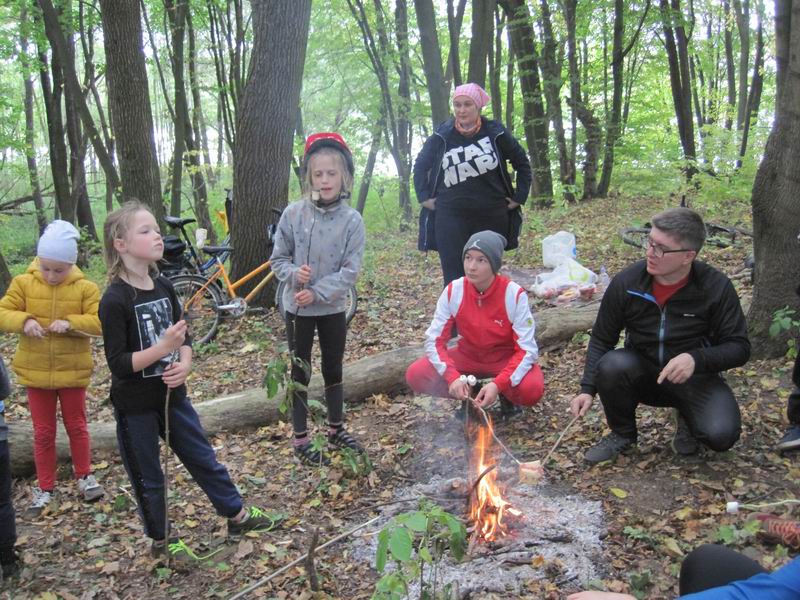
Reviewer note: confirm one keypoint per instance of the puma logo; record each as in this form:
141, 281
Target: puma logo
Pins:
499, 322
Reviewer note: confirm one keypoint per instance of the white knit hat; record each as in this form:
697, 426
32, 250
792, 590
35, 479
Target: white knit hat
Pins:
59, 242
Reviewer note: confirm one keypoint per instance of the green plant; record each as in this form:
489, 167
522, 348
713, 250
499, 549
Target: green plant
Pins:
784, 320
417, 542
639, 584
731, 535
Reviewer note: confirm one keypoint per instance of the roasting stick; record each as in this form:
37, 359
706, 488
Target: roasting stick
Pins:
530, 471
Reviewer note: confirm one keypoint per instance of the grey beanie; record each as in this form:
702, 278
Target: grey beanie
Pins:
491, 244
59, 242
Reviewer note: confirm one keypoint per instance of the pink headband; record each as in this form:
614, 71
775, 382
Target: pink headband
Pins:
473, 91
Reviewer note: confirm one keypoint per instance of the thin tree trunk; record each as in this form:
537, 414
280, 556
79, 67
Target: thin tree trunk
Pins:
495, 62
198, 119
481, 40
509, 120
366, 179
30, 144
729, 68
754, 99
454, 20
176, 11
741, 9
438, 87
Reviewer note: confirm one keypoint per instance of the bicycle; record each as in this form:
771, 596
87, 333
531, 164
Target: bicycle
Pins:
201, 295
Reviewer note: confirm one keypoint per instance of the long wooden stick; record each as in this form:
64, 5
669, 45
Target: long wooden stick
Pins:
297, 561
558, 441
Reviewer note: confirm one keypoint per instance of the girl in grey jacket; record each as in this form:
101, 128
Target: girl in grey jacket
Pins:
318, 251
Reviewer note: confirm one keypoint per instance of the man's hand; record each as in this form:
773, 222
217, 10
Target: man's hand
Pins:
430, 203
580, 404
488, 395
459, 389
173, 337
31, 328
59, 326
678, 370
511, 204
304, 297
303, 275
175, 374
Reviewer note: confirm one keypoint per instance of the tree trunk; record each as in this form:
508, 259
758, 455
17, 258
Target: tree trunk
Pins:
754, 99
455, 17
129, 104
176, 11
267, 113
742, 10
5, 281
523, 48
366, 179
615, 116
495, 66
382, 373
730, 70
404, 131
59, 45
438, 87
481, 40
776, 209
677, 56
30, 151
198, 119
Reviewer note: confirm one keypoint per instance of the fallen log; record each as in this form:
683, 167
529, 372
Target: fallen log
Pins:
382, 373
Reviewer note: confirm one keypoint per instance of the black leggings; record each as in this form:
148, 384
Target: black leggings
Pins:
332, 331
711, 566
454, 228
625, 379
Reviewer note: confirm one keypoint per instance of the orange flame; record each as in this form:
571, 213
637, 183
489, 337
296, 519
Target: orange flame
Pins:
487, 505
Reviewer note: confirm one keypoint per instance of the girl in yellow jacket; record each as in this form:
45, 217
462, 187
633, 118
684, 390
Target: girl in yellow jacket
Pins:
54, 307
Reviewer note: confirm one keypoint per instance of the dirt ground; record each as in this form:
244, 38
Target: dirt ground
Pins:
658, 506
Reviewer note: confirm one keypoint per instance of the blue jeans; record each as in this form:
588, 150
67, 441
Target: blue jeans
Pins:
137, 435
8, 530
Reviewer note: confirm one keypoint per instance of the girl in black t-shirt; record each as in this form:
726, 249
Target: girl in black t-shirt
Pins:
148, 351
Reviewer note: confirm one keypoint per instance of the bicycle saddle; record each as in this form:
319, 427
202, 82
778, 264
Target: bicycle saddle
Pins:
214, 250
177, 221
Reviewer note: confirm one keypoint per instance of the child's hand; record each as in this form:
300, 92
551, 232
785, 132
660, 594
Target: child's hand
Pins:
303, 275
31, 328
459, 389
487, 396
173, 338
304, 297
175, 374
59, 326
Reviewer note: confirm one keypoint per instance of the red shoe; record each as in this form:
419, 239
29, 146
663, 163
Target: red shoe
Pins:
778, 531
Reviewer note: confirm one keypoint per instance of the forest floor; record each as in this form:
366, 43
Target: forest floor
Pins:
657, 506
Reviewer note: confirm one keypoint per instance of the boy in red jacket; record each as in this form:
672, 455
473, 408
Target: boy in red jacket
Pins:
496, 326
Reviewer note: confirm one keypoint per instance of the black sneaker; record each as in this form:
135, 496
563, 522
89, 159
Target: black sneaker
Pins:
9, 563
343, 439
308, 455
509, 410
790, 440
683, 442
255, 520
609, 448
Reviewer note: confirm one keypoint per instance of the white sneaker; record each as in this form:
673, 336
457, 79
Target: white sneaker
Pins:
90, 489
40, 501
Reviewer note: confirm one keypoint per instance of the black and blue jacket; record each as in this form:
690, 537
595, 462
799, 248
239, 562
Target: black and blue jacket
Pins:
428, 170
704, 318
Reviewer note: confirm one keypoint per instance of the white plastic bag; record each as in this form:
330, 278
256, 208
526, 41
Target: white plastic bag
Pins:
558, 247
568, 281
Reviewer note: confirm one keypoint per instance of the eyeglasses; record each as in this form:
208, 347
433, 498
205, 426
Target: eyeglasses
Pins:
659, 251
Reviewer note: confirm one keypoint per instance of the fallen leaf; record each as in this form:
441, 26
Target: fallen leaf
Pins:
245, 548
111, 568
672, 548
619, 493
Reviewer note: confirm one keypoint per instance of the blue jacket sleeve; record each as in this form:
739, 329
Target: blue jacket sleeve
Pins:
783, 584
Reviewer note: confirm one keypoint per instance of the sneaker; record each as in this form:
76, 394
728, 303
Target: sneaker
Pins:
508, 410
41, 499
683, 442
181, 556
609, 448
790, 440
778, 531
255, 519
9, 563
310, 456
90, 489
343, 439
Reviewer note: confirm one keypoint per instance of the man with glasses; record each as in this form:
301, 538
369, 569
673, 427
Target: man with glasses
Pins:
683, 325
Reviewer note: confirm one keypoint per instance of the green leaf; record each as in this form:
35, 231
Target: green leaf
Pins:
400, 544
425, 554
417, 521
383, 547
726, 534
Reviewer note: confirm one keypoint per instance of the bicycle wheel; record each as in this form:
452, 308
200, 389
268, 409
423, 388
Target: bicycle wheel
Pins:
200, 308
351, 302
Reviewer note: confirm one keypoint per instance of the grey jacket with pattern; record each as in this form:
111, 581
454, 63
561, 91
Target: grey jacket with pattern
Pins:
331, 241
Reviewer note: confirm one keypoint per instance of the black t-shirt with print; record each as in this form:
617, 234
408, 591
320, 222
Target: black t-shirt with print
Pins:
470, 176
134, 320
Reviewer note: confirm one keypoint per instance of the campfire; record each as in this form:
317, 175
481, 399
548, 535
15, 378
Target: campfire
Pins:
490, 513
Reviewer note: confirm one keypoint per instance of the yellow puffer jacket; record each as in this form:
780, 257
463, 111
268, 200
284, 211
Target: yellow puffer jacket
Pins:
58, 360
